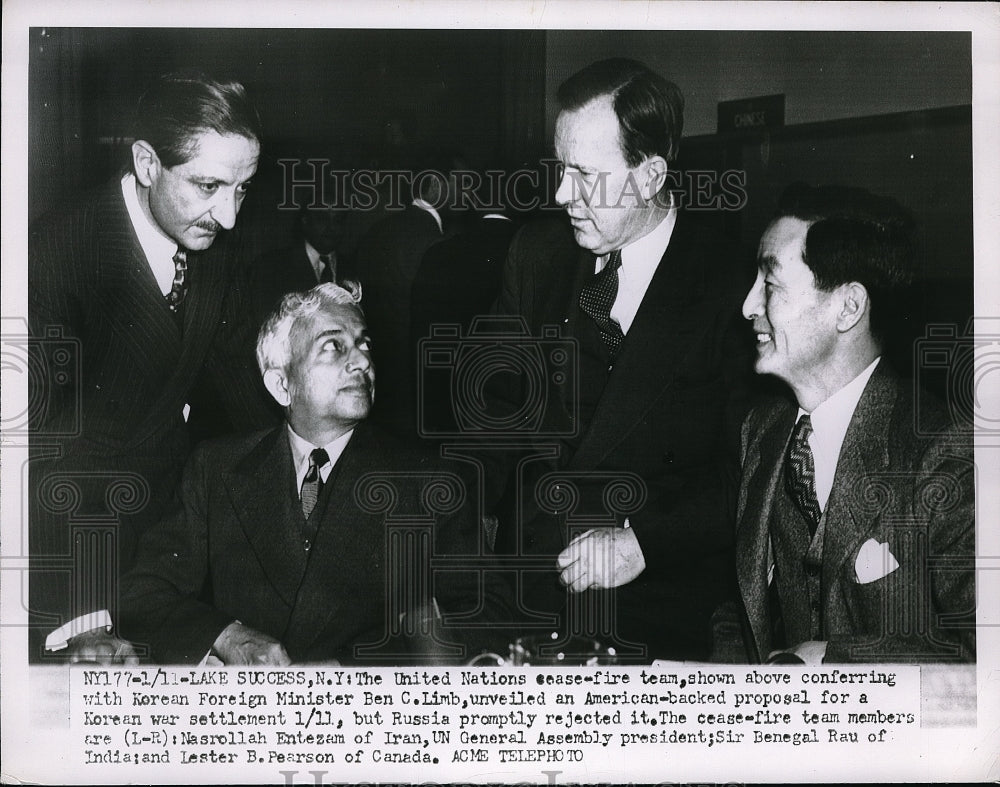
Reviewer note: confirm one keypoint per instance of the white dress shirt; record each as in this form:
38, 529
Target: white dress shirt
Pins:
829, 424
302, 448
317, 263
639, 261
425, 205
157, 247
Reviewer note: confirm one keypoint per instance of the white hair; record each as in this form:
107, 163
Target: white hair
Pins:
274, 349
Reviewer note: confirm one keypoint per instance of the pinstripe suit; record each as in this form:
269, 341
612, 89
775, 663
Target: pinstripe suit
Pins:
109, 437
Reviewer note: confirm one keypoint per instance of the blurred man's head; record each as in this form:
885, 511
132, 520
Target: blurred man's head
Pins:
618, 129
315, 356
324, 227
197, 143
829, 267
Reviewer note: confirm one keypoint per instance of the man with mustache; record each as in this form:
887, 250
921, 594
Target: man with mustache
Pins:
856, 530
134, 306
284, 547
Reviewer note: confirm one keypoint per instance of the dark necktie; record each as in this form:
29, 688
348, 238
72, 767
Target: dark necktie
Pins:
329, 265
800, 472
596, 299
312, 484
178, 289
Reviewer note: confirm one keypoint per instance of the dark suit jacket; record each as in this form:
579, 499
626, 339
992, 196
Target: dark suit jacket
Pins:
458, 280
387, 262
115, 372
233, 551
912, 492
660, 428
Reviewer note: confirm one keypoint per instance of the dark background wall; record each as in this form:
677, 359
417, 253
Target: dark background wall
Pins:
889, 111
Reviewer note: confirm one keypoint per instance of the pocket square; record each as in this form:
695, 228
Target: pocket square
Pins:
874, 561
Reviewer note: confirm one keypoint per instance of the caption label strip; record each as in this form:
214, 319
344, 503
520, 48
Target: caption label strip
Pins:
297, 725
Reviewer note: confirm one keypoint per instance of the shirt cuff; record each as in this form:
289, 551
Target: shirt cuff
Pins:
60, 638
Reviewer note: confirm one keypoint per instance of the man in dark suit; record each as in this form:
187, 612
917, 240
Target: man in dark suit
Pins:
856, 532
458, 280
314, 258
139, 284
620, 499
388, 258
292, 544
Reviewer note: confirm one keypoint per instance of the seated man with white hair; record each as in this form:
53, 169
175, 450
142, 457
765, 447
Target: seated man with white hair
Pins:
319, 540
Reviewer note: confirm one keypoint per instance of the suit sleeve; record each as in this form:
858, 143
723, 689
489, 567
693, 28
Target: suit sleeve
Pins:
161, 602
927, 607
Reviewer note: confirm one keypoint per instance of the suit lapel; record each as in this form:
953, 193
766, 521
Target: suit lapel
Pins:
342, 551
863, 456
260, 488
136, 307
665, 328
763, 467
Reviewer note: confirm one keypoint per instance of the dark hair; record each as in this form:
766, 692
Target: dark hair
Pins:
650, 109
179, 106
855, 235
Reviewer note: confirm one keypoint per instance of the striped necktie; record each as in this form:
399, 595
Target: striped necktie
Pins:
312, 484
800, 472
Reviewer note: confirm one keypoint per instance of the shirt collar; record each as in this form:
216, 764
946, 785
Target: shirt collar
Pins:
647, 251
831, 418
652, 245
424, 205
155, 245
301, 448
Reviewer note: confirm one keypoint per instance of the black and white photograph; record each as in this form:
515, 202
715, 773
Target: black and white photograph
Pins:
546, 393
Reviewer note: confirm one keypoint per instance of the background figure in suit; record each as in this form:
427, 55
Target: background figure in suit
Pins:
316, 257
140, 282
458, 280
620, 499
389, 256
856, 533
290, 530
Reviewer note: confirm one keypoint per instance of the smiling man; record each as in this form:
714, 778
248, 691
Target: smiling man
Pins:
284, 528
140, 281
649, 297
856, 535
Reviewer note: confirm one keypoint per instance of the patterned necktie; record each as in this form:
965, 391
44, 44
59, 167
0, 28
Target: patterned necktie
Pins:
329, 265
800, 472
598, 296
178, 289
312, 484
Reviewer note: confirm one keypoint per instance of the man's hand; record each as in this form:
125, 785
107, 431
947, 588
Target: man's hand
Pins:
239, 644
99, 647
604, 558
812, 652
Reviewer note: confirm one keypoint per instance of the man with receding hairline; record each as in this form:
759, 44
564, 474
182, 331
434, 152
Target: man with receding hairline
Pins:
142, 278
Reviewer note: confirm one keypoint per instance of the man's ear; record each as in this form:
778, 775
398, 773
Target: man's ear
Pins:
145, 162
277, 385
656, 176
854, 305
